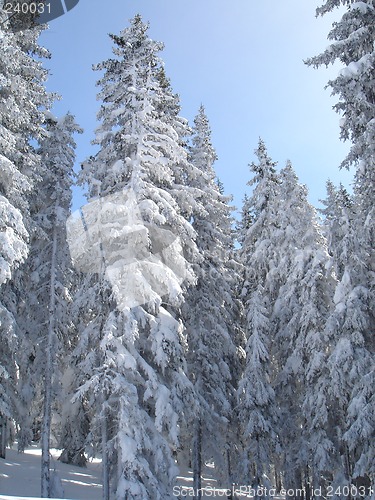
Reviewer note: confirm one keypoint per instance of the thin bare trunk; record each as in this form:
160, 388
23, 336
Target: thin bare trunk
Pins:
105, 464
307, 482
3, 436
229, 471
46, 424
197, 459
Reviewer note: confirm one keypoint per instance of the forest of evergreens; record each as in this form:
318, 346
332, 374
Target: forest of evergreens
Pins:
155, 330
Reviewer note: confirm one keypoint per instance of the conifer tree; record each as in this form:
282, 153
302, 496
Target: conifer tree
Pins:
58, 155
338, 215
351, 358
245, 219
353, 45
255, 393
300, 339
22, 100
212, 314
287, 297
353, 320
52, 196
47, 280
137, 178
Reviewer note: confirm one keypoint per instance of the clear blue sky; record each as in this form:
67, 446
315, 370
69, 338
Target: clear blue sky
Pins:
243, 59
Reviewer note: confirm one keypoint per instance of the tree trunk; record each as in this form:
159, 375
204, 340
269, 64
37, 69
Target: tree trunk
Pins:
347, 459
308, 481
197, 459
278, 478
47, 411
105, 462
298, 488
229, 470
3, 436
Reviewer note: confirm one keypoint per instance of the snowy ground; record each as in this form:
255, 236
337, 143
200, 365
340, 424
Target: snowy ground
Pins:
20, 475
20, 478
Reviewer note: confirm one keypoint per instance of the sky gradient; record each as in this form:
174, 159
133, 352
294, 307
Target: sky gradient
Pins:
242, 59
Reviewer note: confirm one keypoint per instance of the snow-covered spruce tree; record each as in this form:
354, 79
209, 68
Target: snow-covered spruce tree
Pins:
256, 397
57, 153
212, 317
22, 99
49, 205
353, 45
351, 362
338, 215
300, 347
47, 281
351, 368
245, 219
138, 178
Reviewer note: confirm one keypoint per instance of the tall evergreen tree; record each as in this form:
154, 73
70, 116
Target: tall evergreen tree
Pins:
300, 346
245, 219
212, 315
338, 215
138, 178
53, 276
353, 45
46, 279
22, 100
49, 209
351, 361
287, 296
256, 396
